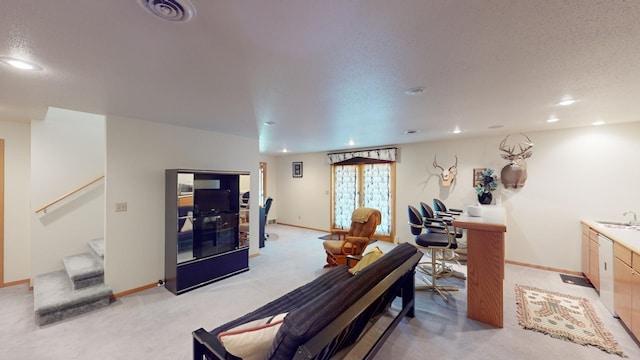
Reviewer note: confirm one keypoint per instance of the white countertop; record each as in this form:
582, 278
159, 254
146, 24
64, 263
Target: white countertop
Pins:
492, 215
627, 237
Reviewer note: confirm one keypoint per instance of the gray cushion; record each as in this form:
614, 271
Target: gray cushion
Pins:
294, 299
303, 323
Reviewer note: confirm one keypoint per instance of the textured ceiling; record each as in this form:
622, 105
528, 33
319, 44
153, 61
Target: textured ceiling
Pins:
331, 71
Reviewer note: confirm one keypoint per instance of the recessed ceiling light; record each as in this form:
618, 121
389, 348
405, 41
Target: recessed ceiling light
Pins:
552, 119
598, 123
285, 150
351, 142
457, 130
20, 64
496, 126
414, 91
566, 102
411, 131
269, 123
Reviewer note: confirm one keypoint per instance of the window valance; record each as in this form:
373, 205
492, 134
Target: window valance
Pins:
386, 154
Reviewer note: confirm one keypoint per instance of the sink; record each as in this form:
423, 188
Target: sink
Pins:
619, 225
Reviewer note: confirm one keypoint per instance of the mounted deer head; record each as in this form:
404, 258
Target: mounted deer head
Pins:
514, 174
446, 176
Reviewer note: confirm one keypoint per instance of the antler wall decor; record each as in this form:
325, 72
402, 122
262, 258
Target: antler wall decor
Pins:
514, 174
446, 176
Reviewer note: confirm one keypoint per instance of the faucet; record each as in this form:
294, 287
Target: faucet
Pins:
635, 218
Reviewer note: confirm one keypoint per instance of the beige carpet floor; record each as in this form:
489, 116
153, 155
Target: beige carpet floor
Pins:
156, 324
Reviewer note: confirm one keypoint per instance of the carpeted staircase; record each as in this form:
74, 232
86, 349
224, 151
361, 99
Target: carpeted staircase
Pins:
77, 289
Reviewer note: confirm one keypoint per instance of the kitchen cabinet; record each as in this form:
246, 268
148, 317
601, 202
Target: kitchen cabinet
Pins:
622, 282
585, 250
635, 296
590, 255
627, 287
626, 268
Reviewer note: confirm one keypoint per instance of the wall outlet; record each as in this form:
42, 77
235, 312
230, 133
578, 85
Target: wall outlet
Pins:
121, 206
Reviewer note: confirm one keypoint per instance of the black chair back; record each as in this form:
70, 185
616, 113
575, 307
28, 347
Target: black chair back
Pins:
426, 210
439, 205
427, 213
415, 221
267, 206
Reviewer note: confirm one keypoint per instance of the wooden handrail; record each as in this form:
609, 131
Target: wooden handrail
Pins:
44, 208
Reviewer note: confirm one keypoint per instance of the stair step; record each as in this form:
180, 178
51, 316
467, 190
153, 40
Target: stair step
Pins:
97, 246
84, 270
55, 300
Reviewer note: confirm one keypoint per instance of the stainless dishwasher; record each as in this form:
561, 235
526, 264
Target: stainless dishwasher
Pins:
605, 254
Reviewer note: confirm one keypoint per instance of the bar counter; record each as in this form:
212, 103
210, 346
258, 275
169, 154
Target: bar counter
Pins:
485, 264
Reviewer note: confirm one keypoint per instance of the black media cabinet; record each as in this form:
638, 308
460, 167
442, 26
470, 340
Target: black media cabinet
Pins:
201, 228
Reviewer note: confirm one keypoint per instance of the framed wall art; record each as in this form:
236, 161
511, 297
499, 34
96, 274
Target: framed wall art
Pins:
296, 169
477, 176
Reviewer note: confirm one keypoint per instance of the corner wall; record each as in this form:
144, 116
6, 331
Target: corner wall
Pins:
67, 151
272, 185
138, 152
17, 172
304, 201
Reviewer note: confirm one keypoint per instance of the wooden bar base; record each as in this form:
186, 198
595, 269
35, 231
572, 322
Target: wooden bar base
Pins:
485, 276
485, 268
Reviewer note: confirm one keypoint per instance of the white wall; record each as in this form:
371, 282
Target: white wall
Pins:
272, 185
583, 173
304, 201
67, 151
245, 184
17, 143
573, 174
138, 152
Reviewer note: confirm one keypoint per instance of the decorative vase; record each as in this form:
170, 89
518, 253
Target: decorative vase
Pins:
485, 198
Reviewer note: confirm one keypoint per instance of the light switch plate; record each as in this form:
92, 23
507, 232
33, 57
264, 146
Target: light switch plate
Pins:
121, 206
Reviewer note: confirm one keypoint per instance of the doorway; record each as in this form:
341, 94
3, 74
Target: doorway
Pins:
262, 182
1, 213
366, 184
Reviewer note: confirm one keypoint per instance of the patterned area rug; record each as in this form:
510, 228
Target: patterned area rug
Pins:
563, 317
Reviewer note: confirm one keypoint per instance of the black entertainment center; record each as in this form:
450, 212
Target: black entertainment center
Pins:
201, 228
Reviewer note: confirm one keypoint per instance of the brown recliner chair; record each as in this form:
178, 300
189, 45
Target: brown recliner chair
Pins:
353, 241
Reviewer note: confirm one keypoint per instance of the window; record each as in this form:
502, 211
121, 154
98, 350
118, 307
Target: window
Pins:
364, 184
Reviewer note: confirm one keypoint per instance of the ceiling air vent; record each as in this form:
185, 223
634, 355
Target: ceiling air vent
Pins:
172, 10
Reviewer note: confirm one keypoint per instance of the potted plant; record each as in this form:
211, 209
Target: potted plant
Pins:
485, 186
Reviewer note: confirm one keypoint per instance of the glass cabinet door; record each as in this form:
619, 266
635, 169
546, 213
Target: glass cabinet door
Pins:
185, 217
208, 210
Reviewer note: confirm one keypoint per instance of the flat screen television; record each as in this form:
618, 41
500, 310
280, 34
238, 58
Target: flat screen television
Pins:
211, 201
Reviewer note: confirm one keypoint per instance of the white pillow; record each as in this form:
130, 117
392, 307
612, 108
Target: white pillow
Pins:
251, 341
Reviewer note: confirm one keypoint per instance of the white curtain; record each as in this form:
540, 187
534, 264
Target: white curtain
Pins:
376, 193
377, 187
345, 194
